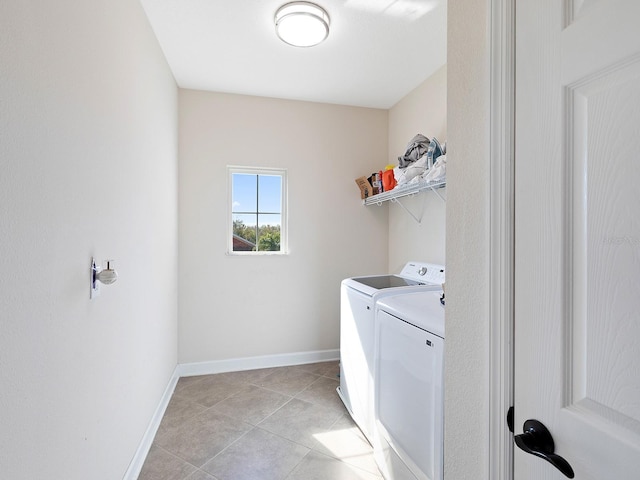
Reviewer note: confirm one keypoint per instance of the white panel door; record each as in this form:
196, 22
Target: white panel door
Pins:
577, 235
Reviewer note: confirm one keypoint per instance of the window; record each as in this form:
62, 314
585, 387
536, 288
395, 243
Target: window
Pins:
258, 210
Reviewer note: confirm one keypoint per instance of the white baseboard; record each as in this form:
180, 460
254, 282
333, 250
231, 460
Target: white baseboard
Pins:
252, 363
208, 368
140, 456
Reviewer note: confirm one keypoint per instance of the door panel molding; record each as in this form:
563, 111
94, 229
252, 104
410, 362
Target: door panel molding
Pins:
599, 357
576, 8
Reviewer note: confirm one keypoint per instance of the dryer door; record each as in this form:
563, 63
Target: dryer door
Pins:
409, 398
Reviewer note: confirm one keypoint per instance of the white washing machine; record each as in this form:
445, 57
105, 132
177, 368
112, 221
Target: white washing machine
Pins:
409, 390
358, 296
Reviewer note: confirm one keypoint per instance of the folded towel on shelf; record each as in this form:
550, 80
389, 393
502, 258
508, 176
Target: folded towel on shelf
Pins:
439, 170
412, 171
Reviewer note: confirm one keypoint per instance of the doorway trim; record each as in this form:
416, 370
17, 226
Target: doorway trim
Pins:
501, 231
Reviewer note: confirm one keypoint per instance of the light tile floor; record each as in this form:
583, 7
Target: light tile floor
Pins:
283, 423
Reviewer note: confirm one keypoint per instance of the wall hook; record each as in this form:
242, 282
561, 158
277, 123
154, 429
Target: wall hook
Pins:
98, 275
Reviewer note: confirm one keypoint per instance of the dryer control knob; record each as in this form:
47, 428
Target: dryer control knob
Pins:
422, 271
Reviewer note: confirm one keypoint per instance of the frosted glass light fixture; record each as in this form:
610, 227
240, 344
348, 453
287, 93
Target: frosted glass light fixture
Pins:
302, 24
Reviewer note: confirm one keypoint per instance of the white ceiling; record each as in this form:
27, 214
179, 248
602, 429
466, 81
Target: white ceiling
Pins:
376, 53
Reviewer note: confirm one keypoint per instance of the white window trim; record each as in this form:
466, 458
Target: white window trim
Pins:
284, 228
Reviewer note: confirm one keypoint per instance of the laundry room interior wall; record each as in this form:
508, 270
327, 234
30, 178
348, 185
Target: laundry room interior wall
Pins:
234, 306
424, 110
88, 156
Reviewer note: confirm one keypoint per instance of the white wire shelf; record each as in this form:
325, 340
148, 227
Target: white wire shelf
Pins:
405, 190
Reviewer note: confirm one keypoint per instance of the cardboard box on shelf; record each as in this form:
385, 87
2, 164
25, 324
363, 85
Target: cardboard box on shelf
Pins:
365, 187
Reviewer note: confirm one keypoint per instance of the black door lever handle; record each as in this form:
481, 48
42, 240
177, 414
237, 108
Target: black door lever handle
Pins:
537, 441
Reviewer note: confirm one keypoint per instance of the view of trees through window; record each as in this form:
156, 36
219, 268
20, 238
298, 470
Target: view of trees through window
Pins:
257, 209
268, 236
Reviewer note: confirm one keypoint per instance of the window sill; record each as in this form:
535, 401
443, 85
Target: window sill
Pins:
257, 254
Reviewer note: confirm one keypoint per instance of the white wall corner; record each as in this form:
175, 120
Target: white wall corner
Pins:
140, 456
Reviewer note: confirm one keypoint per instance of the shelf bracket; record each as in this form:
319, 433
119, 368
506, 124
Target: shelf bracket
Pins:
417, 219
435, 190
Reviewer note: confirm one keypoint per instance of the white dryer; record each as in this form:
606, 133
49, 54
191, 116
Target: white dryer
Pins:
408, 379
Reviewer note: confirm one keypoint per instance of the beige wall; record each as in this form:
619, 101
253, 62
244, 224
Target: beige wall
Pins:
467, 356
88, 162
234, 307
424, 110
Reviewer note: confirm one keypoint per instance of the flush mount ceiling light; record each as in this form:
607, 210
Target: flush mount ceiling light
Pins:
302, 24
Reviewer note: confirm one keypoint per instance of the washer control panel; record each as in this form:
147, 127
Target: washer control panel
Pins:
424, 272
